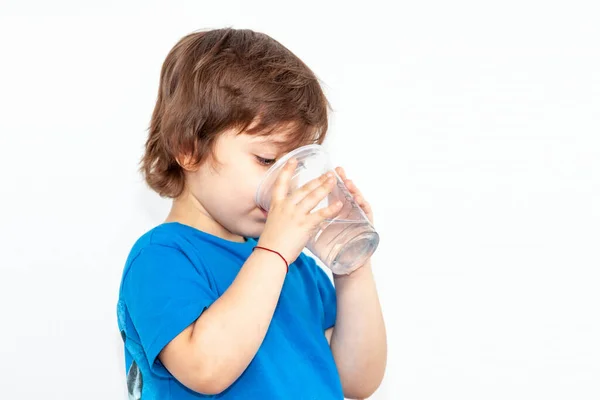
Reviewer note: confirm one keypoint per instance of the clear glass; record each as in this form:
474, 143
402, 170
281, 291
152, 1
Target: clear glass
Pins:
343, 243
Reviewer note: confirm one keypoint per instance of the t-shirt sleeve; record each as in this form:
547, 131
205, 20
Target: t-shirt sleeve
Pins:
327, 294
164, 293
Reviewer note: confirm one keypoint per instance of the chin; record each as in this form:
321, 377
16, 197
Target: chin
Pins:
254, 231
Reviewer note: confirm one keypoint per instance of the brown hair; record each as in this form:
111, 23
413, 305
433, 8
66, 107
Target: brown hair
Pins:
216, 80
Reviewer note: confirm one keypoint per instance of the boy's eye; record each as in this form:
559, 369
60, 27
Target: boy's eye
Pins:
265, 161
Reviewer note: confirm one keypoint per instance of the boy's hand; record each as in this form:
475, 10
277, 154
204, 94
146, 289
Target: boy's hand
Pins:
358, 197
290, 222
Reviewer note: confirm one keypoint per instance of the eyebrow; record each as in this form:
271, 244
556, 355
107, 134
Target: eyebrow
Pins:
278, 143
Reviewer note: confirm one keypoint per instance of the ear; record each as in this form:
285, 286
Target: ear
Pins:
188, 163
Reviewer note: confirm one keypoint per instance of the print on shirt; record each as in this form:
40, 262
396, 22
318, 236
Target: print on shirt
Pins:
134, 382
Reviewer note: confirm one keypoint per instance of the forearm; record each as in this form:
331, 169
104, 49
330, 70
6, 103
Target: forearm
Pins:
229, 333
359, 343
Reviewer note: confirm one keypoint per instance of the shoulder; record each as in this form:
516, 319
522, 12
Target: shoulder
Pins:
171, 237
163, 244
161, 237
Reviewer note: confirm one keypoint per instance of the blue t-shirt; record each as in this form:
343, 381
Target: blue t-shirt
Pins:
174, 272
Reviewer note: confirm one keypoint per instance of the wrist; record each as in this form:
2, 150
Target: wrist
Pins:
270, 250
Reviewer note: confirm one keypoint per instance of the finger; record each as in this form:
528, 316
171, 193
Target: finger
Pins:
352, 188
328, 212
312, 199
360, 201
367, 208
308, 187
364, 205
340, 171
282, 184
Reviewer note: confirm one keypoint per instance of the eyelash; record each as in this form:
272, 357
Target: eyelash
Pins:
265, 161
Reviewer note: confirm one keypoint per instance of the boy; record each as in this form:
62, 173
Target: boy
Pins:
207, 310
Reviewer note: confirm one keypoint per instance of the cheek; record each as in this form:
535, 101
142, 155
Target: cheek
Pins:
249, 189
238, 192
248, 180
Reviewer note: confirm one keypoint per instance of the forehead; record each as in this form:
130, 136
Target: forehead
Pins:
269, 144
282, 138
276, 140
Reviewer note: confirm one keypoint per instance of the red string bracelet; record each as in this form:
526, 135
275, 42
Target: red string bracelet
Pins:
287, 267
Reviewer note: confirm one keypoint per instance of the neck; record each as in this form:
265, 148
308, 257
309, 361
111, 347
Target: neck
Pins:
187, 210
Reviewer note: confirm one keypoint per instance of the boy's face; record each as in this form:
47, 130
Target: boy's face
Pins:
224, 191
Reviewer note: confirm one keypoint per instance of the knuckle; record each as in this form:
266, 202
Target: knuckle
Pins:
317, 195
313, 186
327, 187
324, 212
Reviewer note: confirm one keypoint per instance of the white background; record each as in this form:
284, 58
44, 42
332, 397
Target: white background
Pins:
472, 127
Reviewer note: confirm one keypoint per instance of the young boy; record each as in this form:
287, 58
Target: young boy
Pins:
219, 301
